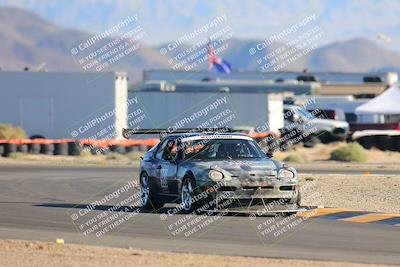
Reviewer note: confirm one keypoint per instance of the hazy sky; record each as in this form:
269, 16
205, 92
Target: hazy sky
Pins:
254, 19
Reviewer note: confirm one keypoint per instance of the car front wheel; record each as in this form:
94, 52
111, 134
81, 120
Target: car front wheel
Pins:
187, 195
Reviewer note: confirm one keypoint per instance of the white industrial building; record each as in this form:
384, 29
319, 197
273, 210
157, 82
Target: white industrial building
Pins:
177, 110
65, 104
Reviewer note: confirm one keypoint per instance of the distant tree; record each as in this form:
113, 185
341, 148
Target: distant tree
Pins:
7, 131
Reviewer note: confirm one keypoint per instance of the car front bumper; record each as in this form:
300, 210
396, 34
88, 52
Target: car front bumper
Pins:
259, 192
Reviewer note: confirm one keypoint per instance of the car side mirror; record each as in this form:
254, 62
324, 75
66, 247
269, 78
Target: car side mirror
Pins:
269, 154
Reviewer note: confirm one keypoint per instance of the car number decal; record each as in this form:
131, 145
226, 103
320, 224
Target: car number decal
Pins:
163, 177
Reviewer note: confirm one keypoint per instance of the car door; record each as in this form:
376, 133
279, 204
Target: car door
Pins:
169, 166
157, 168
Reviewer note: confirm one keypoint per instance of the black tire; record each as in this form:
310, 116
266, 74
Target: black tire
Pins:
34, 148
61, 149
73, 148
47, 149
22, 148
9, 148
118, 149
150, 200
1, 149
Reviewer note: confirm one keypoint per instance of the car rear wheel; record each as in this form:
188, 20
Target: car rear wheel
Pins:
147, 196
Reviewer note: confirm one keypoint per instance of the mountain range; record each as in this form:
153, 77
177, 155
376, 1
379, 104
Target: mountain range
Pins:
27, 40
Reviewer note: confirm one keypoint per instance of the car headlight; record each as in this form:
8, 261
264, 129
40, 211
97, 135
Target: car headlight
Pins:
216, 176
285, 174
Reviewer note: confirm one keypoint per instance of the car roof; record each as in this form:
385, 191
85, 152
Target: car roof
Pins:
199, 134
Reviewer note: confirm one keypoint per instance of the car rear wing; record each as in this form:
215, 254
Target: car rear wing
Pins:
127, 132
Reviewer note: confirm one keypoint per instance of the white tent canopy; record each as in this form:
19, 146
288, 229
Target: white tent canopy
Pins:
387, 103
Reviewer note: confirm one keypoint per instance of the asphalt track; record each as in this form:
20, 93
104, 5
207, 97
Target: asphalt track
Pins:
39, 202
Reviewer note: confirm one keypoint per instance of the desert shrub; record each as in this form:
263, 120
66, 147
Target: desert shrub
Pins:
17, 155
115, 156
7, 131
352, 152
295, 158
134, 155
84, 153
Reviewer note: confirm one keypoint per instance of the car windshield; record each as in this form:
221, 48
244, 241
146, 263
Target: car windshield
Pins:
221, 149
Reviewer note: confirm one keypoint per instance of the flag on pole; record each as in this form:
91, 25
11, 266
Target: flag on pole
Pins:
217, 64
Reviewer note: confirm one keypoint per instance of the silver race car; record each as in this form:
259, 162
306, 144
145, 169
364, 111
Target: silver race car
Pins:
214, 170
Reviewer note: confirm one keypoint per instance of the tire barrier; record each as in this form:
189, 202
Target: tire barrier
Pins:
9, 148
70, 147
105, 151
130, 149
23, 148
74, 148
118, 149
47, 149
34, 148
61, 148
96, 150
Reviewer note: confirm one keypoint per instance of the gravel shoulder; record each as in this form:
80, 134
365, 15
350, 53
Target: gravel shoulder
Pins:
359, 192
27, 253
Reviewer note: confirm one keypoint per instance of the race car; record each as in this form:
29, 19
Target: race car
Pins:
214, 170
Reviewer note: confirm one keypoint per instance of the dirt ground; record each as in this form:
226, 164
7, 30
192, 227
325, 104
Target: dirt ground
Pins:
359, 192
25, 253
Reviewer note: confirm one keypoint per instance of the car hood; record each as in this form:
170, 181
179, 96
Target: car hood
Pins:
238, 166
